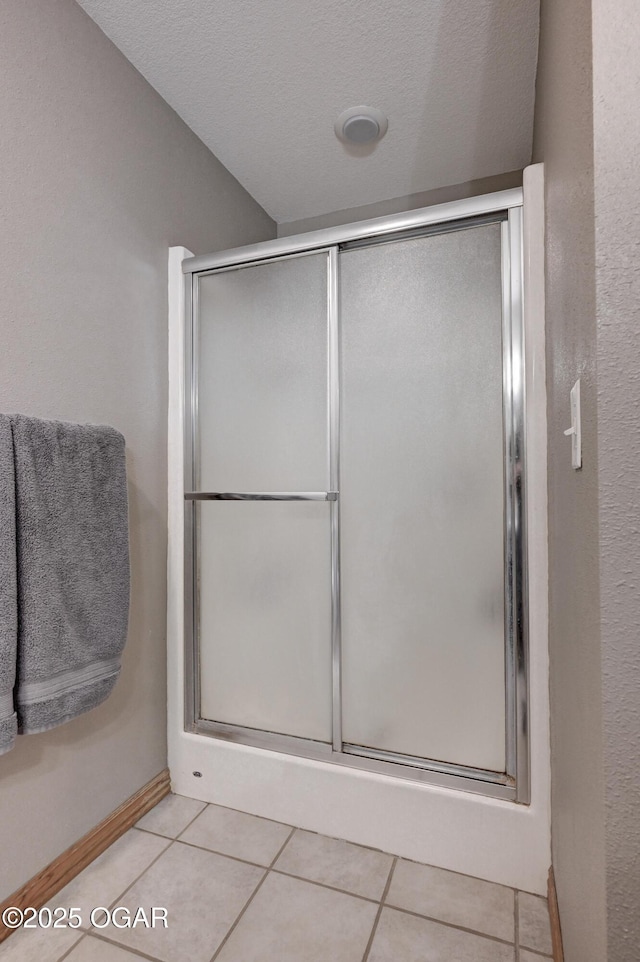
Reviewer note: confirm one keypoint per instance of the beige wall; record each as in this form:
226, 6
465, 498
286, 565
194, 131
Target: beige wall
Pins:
441, 195
564, 141
99, 178
616, 80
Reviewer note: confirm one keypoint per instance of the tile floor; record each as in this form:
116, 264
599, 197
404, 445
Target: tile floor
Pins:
243, 889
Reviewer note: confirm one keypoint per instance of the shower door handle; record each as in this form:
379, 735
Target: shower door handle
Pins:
261, 496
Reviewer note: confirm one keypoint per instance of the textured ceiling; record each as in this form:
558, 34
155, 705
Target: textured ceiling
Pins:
262, 81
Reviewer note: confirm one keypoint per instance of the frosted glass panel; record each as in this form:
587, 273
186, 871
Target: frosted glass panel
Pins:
265, 616
422, 498
262, 377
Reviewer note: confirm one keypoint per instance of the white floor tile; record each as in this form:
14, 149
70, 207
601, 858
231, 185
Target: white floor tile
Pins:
111, 873
93, 950
203, 894
235, 833
534, 924
294, 921
38, 945
457, 899
406, 938
337, 863
171, 816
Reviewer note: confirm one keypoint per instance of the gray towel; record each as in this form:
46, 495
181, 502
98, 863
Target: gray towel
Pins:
73, 567
8, 591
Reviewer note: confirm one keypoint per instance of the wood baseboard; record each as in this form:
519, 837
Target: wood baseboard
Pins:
43, 886
554, 918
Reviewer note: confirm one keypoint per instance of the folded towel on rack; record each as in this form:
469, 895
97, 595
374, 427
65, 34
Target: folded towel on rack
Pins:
72, 567
8, 591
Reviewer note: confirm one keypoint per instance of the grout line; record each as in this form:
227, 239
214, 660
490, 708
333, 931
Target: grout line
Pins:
240, 811
516, 926
270, 868
281, 849
139, 876
379, 912
73, 945
450, 871
345, 841
116, 901
148, 831
213, 851
387, 887
174, 838
151, 832
324, 885
191, 821
451, 925
242, 911
121, 945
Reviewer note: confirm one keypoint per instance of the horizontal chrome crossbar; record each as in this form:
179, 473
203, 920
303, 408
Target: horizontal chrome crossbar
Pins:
261, 495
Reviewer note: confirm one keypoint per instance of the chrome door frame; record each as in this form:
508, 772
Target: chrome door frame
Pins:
514, 783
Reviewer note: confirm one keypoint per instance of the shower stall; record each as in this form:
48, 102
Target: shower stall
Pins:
355, 558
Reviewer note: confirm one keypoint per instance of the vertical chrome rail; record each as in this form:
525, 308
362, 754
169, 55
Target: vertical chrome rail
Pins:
195, 479
191, 668
521, 619
333, 382
509, 541
516, 621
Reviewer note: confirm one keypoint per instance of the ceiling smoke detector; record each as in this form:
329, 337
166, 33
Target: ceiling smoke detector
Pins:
361, 125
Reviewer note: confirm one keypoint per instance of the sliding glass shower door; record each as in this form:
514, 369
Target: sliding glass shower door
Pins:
422, 501
264, 579
354, 502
